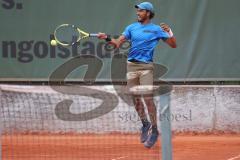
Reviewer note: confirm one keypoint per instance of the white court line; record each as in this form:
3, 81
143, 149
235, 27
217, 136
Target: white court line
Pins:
234, 158
119, 158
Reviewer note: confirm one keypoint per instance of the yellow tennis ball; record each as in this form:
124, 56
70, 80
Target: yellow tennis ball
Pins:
53, 42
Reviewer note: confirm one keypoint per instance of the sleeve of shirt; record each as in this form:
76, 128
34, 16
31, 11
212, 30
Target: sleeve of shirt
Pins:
126, 33
162, 34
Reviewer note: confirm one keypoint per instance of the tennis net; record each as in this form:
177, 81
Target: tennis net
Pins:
99, 122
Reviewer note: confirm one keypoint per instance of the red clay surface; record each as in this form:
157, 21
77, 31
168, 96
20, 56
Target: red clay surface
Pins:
116, 147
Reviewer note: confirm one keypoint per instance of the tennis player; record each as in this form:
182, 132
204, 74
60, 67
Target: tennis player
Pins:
143, 36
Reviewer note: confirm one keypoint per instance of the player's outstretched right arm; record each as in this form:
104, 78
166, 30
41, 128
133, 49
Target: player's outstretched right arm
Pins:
116, 42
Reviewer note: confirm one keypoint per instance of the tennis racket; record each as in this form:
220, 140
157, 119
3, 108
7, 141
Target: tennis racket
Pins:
68, 34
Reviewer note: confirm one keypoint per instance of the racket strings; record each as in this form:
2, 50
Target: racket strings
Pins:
67, 35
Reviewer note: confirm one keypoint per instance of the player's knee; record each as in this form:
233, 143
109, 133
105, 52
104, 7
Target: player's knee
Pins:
137, 100
149, 101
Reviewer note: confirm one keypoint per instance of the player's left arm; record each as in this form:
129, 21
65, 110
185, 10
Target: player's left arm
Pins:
171, 41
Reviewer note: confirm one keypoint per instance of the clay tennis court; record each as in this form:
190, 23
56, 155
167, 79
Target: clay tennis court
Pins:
117, 147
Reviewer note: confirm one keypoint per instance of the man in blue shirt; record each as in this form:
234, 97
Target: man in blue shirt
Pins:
144, 37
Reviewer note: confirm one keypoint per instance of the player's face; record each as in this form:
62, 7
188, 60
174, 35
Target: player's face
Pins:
142, 15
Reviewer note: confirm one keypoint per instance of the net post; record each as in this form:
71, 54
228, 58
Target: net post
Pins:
164, 100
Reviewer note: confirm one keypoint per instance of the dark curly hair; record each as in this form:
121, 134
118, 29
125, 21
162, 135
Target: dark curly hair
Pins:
152, 14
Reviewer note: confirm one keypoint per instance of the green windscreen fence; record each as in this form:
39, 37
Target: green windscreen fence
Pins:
207, 33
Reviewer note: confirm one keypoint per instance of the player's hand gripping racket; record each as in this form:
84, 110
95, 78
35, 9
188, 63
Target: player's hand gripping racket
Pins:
68, 34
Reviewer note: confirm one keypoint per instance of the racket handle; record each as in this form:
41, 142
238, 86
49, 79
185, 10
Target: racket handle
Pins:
93, 35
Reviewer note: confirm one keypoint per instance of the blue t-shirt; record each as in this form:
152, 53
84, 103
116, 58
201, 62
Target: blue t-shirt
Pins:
144, 38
